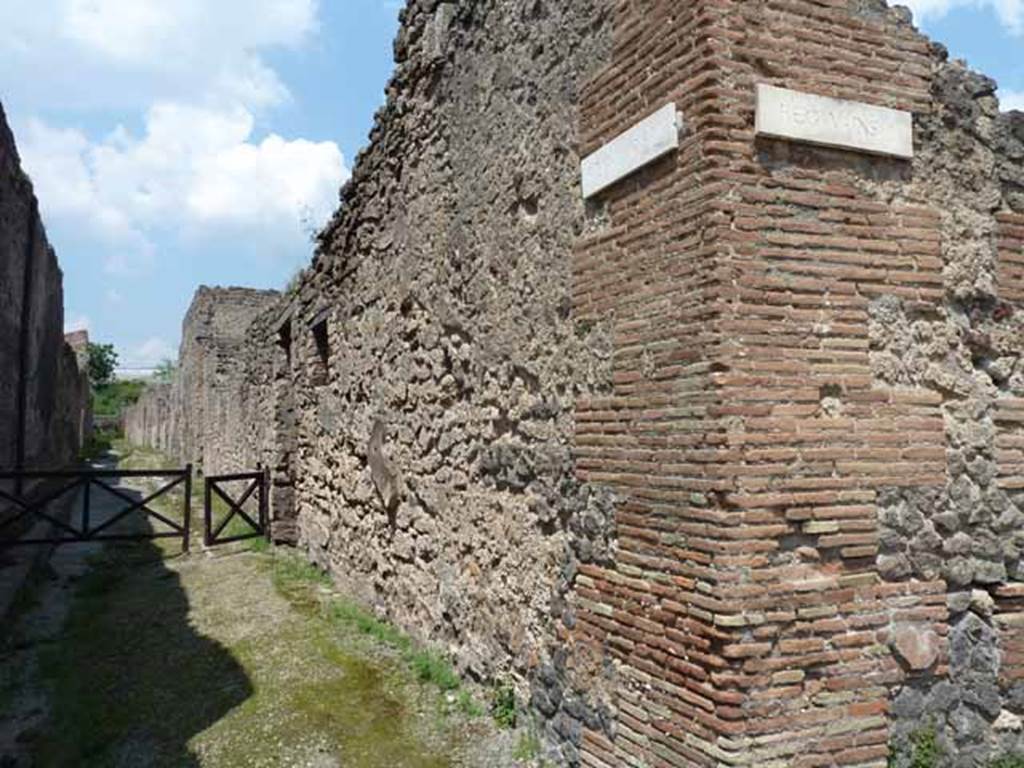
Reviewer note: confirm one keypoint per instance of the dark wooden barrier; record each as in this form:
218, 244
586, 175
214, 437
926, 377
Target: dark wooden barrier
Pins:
26, 508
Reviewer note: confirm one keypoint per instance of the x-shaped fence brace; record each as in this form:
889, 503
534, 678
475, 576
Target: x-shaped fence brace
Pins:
258, 482
72, 481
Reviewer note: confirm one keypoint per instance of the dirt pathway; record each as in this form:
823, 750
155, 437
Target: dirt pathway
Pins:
136, 656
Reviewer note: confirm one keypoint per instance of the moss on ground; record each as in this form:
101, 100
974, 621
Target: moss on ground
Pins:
294, 578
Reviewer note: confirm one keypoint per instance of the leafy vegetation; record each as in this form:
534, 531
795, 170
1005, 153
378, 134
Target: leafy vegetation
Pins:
528, 746
97, 444
1008, 761
102, 363
503, 706
432, 666
295, 280
924, 751
109, 400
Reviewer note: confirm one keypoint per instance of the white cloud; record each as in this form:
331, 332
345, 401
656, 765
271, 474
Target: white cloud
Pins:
1010, 12
122, 51
149, 354
1011, 100
195, 168
77, 323
60, 164
195, 172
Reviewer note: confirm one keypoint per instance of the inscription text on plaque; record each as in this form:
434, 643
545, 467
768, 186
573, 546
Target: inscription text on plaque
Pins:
786, 114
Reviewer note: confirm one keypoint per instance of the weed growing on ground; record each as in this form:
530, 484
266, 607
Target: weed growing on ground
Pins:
1008, 761
348, 613
503, 706
259, 545
431, 666
528, 746
468, 706
925, 751
97, 445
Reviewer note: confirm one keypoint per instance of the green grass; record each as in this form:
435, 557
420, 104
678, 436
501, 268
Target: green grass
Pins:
135, 457
429, 665
1008, 761
131, 678
468, 706
924, 752
126, 660
345, 612
134, 681
238, 526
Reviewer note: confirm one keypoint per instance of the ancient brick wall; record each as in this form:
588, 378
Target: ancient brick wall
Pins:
722, 467
44, 396
824, 381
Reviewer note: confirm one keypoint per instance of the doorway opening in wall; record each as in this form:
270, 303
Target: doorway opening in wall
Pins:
322, 350
284, 342
282, 488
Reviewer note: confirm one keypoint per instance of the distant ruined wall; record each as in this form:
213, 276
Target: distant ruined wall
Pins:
152, 421
198, 418
723, 467
44, 396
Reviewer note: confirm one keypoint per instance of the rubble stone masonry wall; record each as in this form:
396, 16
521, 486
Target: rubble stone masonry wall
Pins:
198, 417
44, 396
723, 467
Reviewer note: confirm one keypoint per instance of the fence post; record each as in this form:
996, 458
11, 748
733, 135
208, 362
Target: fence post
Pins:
265, 502
207, 511
188, 509
85, 508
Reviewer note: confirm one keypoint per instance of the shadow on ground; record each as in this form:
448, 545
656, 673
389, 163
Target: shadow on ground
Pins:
232, 657
131, 682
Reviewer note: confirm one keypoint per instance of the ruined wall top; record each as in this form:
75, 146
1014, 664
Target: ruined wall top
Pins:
224, 314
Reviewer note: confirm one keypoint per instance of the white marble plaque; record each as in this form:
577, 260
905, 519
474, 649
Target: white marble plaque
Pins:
785, 114
641, 145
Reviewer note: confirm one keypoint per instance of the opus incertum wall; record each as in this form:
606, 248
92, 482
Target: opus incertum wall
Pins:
720, 460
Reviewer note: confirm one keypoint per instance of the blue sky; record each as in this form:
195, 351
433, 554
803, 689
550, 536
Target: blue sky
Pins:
180, 142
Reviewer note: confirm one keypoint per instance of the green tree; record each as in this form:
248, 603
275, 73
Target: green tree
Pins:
102, 363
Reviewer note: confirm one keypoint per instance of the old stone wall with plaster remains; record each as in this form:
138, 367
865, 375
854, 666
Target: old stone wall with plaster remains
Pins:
722, 466
44, 395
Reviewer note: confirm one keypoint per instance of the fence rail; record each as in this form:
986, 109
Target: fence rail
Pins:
256, 483
87, 529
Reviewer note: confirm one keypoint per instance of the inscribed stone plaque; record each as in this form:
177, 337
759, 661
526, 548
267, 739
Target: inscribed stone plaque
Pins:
785, 114
642, 144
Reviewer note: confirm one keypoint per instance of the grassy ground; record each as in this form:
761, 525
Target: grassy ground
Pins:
244, 658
